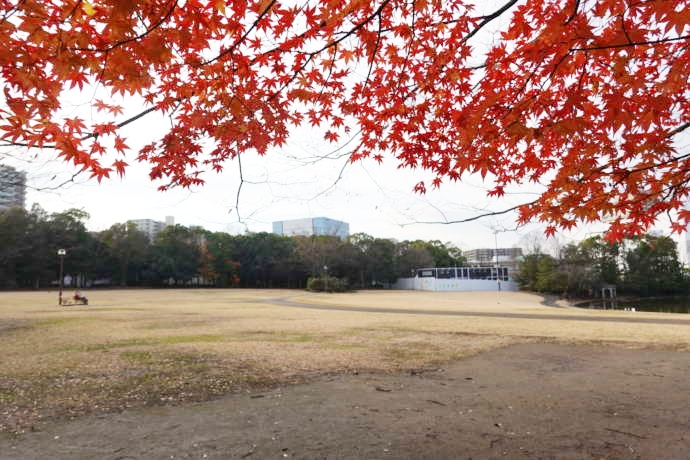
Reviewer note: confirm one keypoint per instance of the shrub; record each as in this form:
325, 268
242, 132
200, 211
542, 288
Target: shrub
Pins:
327, 284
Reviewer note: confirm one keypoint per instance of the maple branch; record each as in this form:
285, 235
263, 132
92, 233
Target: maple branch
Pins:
379, 33
663, 195
326, 80
11, 12
574, 13
679, 129
336, 154
118, 44
629, 172
338, 179
487, 19
623, 28
625, 45
56, 187
313, 54
581, 80
83, 138
433, 206
6, 143
654, 166
134, 118
239, 187
357, 26
471, 219
244, 36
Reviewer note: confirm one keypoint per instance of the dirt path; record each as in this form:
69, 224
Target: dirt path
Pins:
526, 401
286, 302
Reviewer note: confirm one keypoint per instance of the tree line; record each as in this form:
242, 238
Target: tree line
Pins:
192, 256
641, 266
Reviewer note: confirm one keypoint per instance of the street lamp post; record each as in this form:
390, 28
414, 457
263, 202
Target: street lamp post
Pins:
325, 269
61, 253
498, 278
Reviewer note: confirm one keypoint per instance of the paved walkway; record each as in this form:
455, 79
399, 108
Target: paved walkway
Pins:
286, 302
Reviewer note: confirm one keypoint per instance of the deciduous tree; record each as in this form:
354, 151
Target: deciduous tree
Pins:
443, 255
589, 97
130, 249
176, 253
652, 267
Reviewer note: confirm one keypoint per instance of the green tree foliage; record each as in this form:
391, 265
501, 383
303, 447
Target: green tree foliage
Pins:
16, 245
219, 260
548, 278
442, 255
376, 260
317, 252
29, 244
590, 264
129, 250
410, 257
539, 272
176, 255
264, 259
380, 262
646, 266
652, 267
181, 256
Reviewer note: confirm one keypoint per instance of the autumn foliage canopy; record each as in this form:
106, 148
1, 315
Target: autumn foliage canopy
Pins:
588, 97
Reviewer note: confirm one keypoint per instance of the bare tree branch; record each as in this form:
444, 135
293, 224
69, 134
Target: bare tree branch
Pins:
626, 45
471, 219
574, 13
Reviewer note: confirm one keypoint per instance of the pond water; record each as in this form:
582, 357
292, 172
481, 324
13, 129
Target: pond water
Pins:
664, 305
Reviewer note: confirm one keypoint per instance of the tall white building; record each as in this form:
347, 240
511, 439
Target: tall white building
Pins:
153, 227
12, 187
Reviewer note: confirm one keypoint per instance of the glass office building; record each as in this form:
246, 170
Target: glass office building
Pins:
317, 226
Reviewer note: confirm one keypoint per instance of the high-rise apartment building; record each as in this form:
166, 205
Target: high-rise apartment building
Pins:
317, 226
12, 187
152, 227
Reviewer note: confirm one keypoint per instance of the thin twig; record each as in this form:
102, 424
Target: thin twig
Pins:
471, 219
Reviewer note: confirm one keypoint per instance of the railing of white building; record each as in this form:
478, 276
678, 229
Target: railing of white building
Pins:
459, 279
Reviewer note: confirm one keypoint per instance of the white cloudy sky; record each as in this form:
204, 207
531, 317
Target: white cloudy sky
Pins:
286, 184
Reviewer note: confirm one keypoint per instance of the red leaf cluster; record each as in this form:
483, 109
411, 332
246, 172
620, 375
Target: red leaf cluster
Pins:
589, 97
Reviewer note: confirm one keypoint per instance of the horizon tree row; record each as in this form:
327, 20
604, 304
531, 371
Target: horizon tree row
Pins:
643, 266
193, 256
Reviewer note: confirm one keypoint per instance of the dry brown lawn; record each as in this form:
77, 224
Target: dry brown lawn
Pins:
145, 347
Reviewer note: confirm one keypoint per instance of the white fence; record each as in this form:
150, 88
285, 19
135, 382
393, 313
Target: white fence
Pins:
439, 284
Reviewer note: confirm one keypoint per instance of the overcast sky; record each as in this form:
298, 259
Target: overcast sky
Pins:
286, 184
291, 183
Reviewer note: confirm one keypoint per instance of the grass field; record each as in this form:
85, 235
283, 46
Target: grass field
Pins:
145, 347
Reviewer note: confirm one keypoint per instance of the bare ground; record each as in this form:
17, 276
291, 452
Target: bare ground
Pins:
274, 374
536, 401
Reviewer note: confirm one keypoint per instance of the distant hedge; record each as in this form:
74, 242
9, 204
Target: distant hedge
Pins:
327, 284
